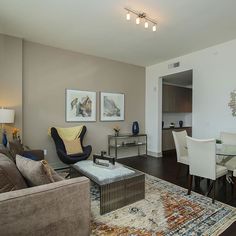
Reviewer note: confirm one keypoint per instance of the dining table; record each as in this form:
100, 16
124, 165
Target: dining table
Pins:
226, 156
226, 150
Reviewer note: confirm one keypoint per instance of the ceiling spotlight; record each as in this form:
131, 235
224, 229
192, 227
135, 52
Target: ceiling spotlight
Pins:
137, 20
154, 28
139, 17
128, 16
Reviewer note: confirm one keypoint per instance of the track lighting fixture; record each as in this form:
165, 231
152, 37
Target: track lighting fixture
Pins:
139, 18
128, 16
154, 28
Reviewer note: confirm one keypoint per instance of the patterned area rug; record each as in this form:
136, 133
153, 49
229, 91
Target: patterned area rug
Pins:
166, 210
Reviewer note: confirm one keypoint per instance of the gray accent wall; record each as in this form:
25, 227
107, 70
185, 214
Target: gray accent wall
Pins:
11, 78
48, 71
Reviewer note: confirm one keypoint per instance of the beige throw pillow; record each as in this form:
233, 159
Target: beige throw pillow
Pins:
36, 172
73, 146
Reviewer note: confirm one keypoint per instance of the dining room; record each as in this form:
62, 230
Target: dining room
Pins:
208, 182
210, 159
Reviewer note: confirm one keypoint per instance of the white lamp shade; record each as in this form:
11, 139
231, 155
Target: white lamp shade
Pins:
6, 116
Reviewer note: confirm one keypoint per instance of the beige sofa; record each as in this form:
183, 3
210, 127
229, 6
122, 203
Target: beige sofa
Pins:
60, 208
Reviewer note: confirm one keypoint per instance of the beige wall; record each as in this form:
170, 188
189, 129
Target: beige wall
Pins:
49, 71
11, 77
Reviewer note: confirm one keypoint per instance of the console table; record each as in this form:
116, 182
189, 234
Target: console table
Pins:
126, 141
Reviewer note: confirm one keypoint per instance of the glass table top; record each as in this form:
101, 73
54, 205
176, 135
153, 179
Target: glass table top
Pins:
225, 150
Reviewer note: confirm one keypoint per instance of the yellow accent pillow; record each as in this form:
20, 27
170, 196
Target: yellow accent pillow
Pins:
73, 146
69, 133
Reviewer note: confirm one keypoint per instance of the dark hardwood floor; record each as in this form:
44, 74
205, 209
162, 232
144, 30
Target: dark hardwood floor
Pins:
166, 168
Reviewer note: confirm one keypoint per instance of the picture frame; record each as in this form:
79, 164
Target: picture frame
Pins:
232, 103
80, 106
112, 106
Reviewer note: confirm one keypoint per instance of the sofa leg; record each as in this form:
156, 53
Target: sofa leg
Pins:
190, 184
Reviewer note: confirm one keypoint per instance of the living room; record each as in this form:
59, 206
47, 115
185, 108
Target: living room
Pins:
50, 50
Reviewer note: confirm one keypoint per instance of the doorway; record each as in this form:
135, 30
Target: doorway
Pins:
177, 90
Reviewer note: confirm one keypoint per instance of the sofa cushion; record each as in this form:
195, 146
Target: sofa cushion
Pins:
10, 177
36, 172
73, 146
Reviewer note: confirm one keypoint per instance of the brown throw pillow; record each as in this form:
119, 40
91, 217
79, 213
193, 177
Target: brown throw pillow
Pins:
73, 146
36, 172
7, 153
10, 177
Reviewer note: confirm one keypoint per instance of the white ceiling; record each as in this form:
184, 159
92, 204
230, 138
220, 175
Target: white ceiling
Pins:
99, 27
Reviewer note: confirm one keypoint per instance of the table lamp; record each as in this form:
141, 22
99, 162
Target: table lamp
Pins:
6, 117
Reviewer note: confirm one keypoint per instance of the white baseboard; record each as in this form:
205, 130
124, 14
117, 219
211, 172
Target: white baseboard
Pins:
155, 154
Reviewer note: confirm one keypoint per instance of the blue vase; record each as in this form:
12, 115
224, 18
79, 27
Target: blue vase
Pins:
135, 128
4, 139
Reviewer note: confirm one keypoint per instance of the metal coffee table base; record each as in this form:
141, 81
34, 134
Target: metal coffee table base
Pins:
121, 193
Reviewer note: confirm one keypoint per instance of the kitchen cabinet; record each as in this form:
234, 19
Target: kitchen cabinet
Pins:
176, 99
167, 137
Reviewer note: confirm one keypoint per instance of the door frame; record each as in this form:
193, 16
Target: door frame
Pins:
160, 90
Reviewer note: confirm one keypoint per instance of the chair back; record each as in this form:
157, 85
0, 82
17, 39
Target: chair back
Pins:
202, 157
61, 150
228, 138
180, 143
57, 140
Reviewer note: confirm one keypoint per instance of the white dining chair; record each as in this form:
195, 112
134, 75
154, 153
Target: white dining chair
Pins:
229, 139
202, 162
234, 173
181, 148
234, 183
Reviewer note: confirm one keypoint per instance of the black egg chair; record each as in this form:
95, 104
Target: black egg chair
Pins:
61, 150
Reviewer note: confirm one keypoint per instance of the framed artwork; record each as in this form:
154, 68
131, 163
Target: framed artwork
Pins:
112, 106
232, 103
80, 106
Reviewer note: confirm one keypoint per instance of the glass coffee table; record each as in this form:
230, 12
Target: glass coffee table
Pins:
119, 185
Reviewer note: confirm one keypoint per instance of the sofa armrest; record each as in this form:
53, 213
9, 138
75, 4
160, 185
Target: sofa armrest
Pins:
60, 208
37, 153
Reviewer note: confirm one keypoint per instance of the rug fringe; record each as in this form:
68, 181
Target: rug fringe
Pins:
225, 226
